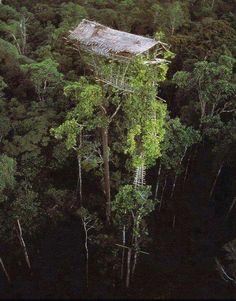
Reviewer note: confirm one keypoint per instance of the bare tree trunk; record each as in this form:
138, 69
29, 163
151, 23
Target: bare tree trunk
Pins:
128, 268
187, 167
214, 183
17, 44
79, 182
79, 194
22, 242
173, 26
123, 253
157, 184
23, 34
134, 262
173, 186
180, 162
174, 220
162, 193
87, 253
231, 207
4, 269
106, 173
135, 256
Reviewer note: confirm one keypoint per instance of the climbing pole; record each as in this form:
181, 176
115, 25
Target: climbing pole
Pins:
139, 177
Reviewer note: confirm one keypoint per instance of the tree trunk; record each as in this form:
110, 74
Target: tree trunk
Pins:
157, 184
231, 207
180, 162
87, 253
79, 183
22, 242
128, 268
4, 269
106, 173
135, 255
79, 194
173, 224
23, 34
162, 193
187, 167
214, 183
123, 253
173, 186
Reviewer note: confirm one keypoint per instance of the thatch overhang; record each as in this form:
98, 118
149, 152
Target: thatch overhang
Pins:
105, 41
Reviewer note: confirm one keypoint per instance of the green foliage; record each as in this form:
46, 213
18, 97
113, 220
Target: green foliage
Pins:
88, 98
26, 207
7, 48
214, 84
84, 117
130, 198
7, 13
130, 207
71, 14
7, 174
90, 220
44, 76
178, 138
170, 16
145, 114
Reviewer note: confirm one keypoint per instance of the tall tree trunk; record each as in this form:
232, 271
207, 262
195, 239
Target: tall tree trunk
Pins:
135, 255
128, 268
79, 194
5, 271
123, 252
231, 207
23, 34
174, 220
187, 167
173, 186
79, 183
158, 179
162, 194
215, 180
87, 253
106, 173
180, 162
22, 242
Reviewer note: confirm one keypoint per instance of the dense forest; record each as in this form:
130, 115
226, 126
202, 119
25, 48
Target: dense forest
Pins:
108, 193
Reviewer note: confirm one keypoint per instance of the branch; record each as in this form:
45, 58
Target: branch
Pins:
104, 110
114, 114
220, 266
122, 246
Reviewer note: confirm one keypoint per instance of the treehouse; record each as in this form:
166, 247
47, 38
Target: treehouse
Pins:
114, 46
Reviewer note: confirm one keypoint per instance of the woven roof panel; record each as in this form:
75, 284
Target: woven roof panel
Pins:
109, 42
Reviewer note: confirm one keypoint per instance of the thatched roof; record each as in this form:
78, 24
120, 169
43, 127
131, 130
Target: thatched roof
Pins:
108, 42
